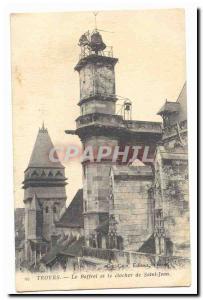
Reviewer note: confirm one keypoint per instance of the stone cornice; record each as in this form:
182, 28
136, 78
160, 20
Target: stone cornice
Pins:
94, 58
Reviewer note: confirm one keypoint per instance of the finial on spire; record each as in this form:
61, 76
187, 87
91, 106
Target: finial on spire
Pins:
43, 129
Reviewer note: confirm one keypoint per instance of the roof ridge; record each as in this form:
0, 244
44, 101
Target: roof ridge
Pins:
183, 87
73, 215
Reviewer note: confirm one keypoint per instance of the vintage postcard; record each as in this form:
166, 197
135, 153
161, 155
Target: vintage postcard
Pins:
100, 150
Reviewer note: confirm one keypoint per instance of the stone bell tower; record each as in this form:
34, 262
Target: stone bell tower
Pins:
97, 76
44, 189
95, 125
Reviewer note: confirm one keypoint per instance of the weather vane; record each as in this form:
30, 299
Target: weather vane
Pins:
95, 13
92, 40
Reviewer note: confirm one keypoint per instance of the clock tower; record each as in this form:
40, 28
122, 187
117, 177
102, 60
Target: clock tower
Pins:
96, 125
97, 77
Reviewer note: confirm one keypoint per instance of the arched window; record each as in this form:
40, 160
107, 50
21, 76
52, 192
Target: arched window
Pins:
54, 209
47, 209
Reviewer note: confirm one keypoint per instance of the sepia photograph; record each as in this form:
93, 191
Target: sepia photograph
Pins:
100, 149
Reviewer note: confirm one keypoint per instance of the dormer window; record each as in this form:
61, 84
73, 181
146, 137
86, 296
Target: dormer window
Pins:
43, 173
58, 173
34, 174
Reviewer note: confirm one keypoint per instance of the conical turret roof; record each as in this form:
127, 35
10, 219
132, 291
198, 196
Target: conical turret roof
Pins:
40, 154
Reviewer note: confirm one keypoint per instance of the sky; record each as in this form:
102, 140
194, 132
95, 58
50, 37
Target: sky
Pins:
150, 46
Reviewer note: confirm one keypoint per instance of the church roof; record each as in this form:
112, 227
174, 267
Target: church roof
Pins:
40, 154
183, 93
74, 249
169, 107
73, 216
51, 255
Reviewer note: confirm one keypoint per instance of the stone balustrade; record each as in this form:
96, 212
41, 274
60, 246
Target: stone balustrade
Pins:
86, 51
143, 126
137, 259
118, 122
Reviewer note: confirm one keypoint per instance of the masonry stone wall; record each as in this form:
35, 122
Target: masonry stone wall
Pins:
132, 211
104, 79
86, 81
98, 106
97, 78
173, 200
52, 201
91, 221
96, 185
45, 193
32, 225
51, 213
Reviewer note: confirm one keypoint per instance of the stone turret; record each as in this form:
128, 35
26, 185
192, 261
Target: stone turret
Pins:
97, 102
44, 185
